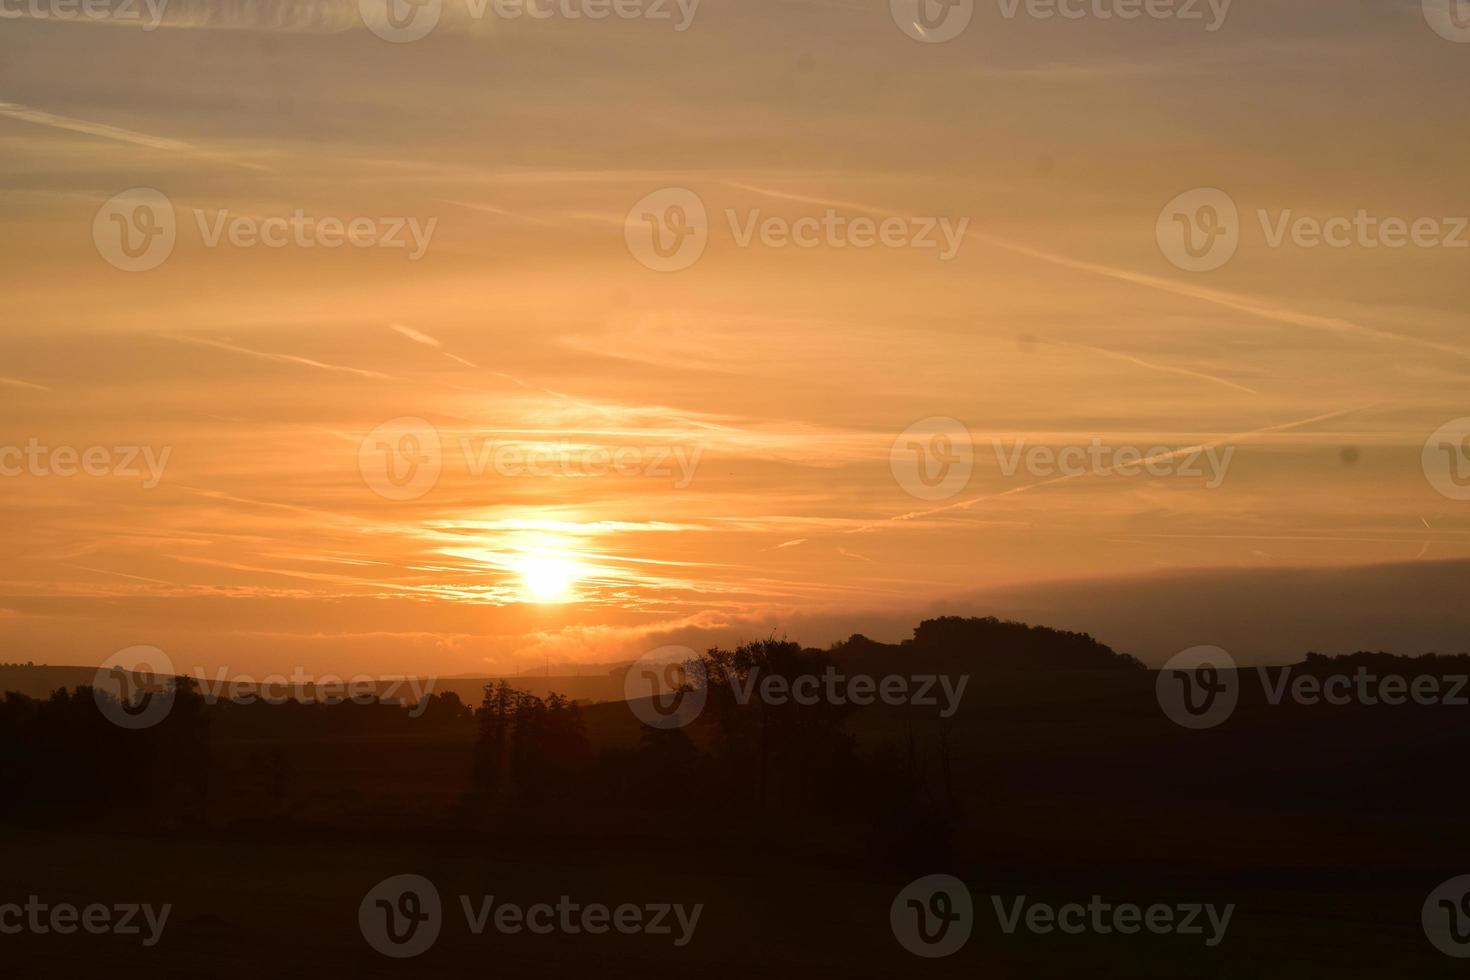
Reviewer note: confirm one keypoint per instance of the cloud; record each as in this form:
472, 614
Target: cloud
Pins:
17, 383
419, 337
282, 358
39, 117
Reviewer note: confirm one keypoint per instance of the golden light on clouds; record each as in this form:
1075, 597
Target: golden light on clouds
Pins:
600, 454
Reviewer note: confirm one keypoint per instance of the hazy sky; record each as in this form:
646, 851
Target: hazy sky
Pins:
779, 378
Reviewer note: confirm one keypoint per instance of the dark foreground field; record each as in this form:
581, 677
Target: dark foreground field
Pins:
289, 909
1326, 827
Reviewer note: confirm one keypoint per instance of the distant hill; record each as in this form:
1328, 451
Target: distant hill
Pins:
956, 644
597, 684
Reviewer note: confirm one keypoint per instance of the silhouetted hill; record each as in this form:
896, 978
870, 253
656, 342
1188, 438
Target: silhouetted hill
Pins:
957, 644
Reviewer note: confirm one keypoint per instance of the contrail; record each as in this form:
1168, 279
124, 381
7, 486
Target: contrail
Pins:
24, 113
1234, 301
1213, 444
419, 337
17, 383
281, 358
1156, 367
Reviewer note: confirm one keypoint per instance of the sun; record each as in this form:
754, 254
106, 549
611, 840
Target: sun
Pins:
548, 579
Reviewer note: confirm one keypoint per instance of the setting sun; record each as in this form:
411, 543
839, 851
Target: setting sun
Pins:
548, 579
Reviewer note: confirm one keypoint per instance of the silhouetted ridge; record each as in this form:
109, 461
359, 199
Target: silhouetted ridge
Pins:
1387, 663
954, 642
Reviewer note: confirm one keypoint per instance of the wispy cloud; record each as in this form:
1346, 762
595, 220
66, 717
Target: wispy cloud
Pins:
1155, 366
17, 383
281, 358
419, 337
39, 117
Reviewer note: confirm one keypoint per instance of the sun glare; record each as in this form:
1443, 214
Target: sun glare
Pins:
548, 579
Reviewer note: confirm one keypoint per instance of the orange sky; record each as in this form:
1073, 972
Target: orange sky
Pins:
754, 397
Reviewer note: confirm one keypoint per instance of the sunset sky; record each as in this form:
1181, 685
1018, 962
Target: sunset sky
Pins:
785, 373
